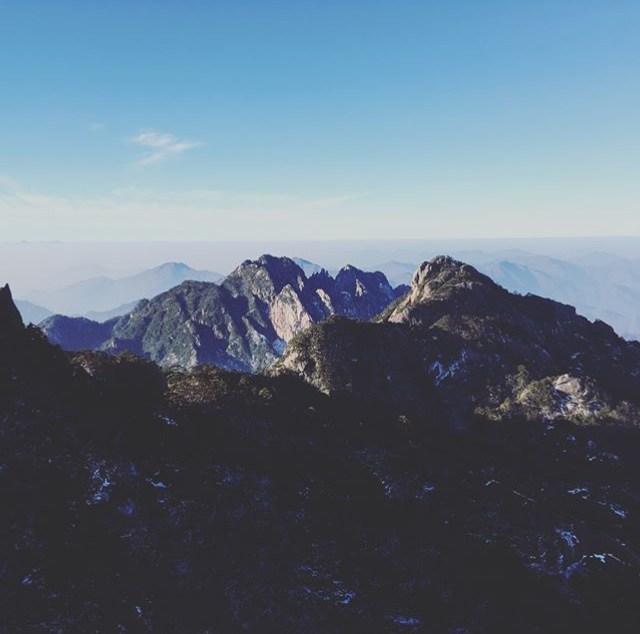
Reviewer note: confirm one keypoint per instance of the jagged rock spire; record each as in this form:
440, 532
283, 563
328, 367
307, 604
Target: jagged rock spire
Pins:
10, 319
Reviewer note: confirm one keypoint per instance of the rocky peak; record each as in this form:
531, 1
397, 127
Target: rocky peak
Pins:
320, 278
265, 277
176, 267
444, 279
442, 272
354, 280
10, 319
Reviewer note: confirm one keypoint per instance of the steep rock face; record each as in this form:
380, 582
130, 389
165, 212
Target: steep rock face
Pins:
243, 323
10, 319
487, 350
288, 314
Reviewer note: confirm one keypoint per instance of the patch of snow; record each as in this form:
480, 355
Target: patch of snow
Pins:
582, 491
156, 484
442, 372
128, 508
602, 558
345, 597
569, 537
102, 483
617, 510
167, 420
401, 619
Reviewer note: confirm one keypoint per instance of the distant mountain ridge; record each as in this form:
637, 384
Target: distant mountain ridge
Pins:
105, 294
32, 313
243, 323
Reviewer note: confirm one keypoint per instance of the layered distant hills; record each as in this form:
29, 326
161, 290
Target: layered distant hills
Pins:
32, 313
243, 323
101, 298
600, 285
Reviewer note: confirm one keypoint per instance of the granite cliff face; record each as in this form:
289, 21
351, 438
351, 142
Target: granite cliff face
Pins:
191, 501
244, 323
483, 350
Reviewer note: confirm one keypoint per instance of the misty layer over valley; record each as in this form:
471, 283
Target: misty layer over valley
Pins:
600, 277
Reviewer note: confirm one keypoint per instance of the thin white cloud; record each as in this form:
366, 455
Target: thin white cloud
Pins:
160, 146
332, 201
130, 213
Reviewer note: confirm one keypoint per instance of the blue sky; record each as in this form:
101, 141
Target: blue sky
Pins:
326, 119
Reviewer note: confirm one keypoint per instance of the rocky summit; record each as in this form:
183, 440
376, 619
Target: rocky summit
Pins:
469, 346
137, 499
243, 324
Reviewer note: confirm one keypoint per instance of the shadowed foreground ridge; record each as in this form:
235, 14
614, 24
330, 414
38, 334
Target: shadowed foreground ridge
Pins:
142, 500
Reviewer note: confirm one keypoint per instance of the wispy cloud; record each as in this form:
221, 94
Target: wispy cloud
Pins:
160, 146
131, 213
331, 201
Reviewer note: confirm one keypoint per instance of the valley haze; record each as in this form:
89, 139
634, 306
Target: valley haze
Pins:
600, 276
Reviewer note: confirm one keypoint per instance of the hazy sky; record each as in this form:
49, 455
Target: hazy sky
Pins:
299, 119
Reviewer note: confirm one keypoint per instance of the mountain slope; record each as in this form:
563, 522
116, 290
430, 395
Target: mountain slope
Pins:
76, 333
242, 324
194, 501
483, 349
102, 294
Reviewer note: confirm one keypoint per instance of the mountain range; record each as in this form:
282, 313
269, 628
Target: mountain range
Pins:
465, 461
460, 343
454, 332
97, 295
240, 324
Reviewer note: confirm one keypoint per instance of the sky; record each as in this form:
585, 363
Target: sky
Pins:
311, 120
